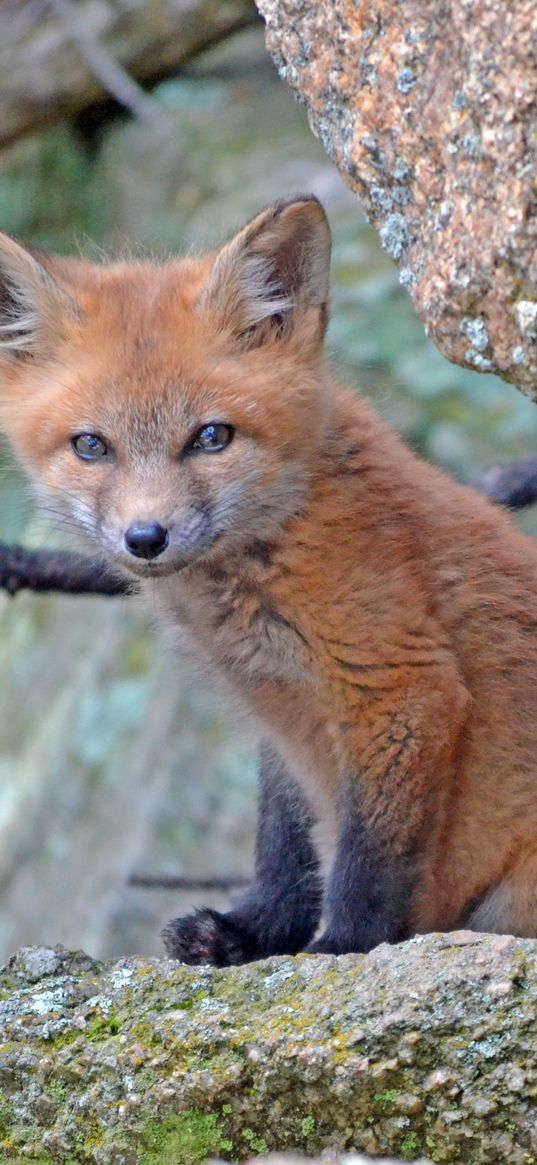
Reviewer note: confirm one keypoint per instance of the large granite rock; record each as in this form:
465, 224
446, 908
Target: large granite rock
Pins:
429, 111
424, 1048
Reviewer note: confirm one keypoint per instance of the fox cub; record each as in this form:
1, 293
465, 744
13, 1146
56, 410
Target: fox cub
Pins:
375, 621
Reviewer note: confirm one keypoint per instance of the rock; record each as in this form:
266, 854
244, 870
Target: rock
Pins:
428, 110
426, 1048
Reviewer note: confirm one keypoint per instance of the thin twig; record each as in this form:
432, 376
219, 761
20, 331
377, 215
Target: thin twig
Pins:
171, 882
113, 77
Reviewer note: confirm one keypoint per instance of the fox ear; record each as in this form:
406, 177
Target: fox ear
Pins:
32, 305
275, 268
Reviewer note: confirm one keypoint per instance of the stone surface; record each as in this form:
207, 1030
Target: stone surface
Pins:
429, 110
427, 1048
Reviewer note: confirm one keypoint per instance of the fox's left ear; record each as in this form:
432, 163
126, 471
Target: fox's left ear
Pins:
33, 308
273, 276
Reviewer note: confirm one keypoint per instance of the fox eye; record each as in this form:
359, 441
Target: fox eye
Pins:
89, 447
213, 438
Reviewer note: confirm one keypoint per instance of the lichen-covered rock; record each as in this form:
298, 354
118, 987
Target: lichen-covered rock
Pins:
424, 1048
429, 111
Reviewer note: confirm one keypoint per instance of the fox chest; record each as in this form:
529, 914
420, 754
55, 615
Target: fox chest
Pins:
236, 631
239, 640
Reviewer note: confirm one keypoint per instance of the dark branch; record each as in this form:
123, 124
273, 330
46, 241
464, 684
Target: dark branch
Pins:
114, 79
172, 882
50, 570
513, 486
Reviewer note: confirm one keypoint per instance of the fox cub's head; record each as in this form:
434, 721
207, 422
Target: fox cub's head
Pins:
174, 410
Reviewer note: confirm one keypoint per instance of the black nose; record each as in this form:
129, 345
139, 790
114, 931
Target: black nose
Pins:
146, 541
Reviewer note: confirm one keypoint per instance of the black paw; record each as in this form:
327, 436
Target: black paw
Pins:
208, 937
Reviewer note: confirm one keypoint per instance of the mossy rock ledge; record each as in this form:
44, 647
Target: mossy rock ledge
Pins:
424, 1049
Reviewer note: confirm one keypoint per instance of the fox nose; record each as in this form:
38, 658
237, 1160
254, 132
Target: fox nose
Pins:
146, 540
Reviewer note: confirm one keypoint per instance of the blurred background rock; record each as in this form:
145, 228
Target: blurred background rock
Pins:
111, 764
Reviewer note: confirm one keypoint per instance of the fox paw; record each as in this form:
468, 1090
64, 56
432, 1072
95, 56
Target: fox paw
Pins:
208, 937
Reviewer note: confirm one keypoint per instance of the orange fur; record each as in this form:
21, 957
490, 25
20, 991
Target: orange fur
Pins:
372, 616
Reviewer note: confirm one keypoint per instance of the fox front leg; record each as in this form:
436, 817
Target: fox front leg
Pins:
280, 912
369, 890
387, 813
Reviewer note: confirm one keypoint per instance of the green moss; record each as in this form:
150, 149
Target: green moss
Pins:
92, 1141
144, 1033
6, 1117
63, 1039
101, 1029
409, 1145
57, 1091
182, 1140
391, 1096
308, 1126
255, 1144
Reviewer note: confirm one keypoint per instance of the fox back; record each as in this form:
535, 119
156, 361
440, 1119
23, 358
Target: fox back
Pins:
376, 621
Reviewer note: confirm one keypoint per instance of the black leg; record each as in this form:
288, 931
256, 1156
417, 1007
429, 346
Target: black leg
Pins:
280, 913
369, 891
